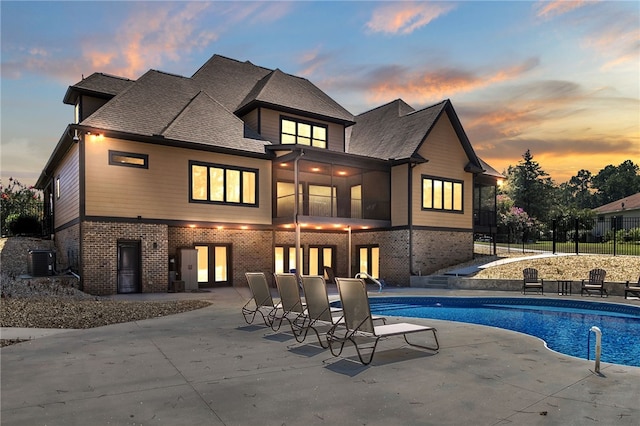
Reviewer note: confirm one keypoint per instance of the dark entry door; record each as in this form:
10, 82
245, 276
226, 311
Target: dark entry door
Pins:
129, 266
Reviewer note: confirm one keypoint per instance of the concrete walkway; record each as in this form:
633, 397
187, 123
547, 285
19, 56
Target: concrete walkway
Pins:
208, 367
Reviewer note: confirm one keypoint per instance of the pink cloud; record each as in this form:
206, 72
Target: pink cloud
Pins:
549, 9
404, 17
148, 38
422, 87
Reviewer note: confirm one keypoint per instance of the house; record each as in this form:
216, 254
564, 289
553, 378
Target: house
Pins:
239, 167
623, 214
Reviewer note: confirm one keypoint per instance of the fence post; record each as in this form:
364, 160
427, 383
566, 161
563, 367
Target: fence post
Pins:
553, 236
576, 234
615, 232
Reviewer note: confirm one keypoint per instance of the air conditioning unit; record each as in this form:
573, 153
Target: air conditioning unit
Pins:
41, 263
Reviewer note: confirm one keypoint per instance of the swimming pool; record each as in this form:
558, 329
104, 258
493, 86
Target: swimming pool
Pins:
563, 324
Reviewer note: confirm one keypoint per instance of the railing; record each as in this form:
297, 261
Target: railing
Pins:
325, 206
615, 236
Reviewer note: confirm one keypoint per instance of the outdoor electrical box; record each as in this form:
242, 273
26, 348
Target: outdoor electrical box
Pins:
41, 263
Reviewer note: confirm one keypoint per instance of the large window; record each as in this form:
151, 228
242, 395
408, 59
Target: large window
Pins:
369, 260
214, 264
293, 131
441, 194
319, 257
285, 259
214, 183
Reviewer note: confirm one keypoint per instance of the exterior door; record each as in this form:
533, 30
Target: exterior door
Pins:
214, 265
129, 262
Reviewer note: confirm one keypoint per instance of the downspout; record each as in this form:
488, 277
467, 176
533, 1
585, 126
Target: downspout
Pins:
296, 200
410, 216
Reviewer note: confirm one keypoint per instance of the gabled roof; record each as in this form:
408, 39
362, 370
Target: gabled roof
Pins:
632, 202
396, 131
97, 84
228, 80
284, 91
206, 121
146, 107
174, 107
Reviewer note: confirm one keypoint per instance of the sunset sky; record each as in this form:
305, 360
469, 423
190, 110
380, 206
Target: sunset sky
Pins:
561, 78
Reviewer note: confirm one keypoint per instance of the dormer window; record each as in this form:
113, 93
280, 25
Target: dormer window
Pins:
294, 131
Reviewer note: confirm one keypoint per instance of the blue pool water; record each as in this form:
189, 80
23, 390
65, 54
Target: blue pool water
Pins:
563, 324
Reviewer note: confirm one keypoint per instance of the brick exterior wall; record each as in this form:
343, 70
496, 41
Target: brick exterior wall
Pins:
68, 248
99, 271
252, 250
435, 250
432, 250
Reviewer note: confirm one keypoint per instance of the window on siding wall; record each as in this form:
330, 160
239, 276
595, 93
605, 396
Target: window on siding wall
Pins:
214, 183
128, 159
294, 131
442, 194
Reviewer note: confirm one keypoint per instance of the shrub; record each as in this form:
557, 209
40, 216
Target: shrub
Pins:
25, 225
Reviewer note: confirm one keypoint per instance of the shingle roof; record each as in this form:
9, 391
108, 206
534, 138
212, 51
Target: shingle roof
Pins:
206, 121
632, 202
396, 131
162, 104
294, 93
228, 80
392, 131
97, 84
146, 107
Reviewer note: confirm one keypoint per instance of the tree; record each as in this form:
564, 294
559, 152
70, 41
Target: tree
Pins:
20, 209
531, 188
613, 183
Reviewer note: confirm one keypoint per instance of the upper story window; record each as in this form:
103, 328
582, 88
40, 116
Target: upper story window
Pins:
441, 194
215, 183
128, 159
294, 131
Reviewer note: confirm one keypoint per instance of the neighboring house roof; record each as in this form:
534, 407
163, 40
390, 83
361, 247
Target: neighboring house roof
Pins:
632, 202
396, 131
97, 84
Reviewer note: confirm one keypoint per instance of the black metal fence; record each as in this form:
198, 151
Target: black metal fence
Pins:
613, 235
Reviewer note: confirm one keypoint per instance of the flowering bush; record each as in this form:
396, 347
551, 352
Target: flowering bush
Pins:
20, 208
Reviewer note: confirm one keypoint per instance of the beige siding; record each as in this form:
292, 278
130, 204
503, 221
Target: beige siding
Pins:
447, 159
251, 119
67, 207
162, 190
399, 197
270, 128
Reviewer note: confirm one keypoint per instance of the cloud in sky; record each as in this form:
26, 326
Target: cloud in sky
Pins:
433, 84
153, 34
406, 17
550, 9
149, 37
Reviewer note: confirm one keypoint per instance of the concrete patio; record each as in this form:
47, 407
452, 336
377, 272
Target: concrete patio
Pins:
208, 367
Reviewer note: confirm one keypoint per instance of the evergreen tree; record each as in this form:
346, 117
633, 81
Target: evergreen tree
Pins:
531, 188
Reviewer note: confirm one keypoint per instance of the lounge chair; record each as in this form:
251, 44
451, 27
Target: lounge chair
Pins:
359, 325
320, 316
290, 302
531, 281
632, 289
595, 283
261, 298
